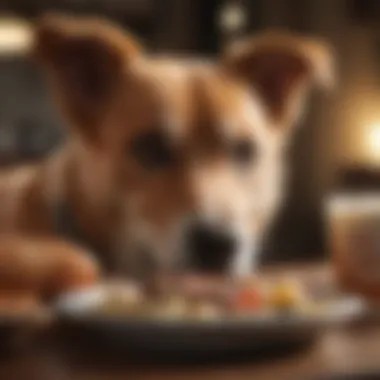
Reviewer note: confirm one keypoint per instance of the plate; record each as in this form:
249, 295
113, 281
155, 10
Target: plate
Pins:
251, 332
17, 329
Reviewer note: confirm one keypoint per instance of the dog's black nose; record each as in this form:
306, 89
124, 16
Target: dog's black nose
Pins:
210, 249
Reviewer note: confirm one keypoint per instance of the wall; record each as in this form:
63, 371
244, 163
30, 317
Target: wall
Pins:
336, 130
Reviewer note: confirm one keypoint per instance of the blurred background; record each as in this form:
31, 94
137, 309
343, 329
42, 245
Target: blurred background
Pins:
338, 144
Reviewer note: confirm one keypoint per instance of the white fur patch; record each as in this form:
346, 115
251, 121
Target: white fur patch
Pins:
244, 261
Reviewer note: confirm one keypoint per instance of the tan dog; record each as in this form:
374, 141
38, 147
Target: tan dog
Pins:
178, 160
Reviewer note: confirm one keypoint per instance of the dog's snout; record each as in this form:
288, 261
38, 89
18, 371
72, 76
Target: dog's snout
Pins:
210, 248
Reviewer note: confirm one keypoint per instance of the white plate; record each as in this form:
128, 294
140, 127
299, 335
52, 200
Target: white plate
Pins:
188, 335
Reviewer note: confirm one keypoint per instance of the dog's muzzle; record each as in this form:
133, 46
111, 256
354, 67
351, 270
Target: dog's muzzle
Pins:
209, 248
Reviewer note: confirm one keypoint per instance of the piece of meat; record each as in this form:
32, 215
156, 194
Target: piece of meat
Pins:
192, 287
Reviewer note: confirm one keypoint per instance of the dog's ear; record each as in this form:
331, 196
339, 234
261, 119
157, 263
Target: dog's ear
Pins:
86, 60
281, 68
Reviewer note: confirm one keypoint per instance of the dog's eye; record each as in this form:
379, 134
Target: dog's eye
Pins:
244, 152
153, 151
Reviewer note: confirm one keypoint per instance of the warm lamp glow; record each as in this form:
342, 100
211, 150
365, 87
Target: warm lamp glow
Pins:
15, 35
374, 141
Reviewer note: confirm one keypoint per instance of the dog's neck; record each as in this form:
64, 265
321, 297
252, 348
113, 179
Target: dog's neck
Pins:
72, 187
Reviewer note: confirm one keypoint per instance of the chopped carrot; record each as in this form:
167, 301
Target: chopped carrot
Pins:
248, 299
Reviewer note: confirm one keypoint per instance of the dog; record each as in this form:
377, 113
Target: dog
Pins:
169, 162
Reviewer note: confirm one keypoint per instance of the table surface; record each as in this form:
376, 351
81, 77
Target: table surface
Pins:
343, 350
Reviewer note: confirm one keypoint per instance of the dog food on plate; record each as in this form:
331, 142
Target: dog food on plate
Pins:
204, 299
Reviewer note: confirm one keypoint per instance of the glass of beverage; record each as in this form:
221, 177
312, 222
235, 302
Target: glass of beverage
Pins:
353, 227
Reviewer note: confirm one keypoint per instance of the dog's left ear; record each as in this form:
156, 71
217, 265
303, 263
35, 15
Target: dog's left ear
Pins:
86, 60
281, 68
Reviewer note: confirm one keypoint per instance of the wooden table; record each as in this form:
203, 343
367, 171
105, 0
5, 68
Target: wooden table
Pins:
345, 350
